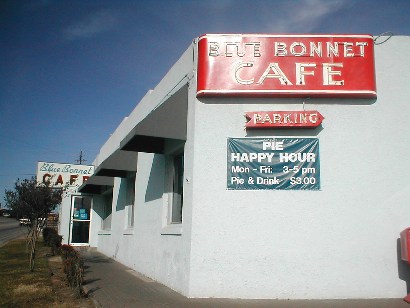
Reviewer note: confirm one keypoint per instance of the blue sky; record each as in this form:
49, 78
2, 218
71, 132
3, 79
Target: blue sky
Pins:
72, 70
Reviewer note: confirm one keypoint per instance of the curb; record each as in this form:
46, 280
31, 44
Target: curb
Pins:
86, 291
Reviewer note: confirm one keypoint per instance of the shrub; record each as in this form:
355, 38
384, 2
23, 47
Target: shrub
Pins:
52, 239
46, 235
73, 267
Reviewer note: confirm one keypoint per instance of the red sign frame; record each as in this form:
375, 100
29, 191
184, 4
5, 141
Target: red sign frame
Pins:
286, 65
283, 119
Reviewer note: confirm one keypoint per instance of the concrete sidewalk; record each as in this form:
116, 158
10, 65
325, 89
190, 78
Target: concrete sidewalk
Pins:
111, 284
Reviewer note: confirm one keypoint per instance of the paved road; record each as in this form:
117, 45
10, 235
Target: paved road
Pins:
10, 229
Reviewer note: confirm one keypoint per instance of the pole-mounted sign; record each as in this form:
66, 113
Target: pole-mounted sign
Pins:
70, 176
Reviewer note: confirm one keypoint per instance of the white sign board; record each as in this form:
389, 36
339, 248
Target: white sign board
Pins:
71, 176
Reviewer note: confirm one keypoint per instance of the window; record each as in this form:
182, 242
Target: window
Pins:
176, 196
130, 197
107, 212
173, 197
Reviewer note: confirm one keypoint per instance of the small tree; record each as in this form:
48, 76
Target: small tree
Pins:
33, 201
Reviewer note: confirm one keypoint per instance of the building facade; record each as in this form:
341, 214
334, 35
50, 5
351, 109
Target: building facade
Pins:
309, 204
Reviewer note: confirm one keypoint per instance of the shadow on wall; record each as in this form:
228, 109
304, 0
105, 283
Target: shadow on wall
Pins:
155, 187
98, 205
122, 195
403, 267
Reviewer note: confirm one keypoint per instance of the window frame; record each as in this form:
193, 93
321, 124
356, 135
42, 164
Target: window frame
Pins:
173, 226
107, 196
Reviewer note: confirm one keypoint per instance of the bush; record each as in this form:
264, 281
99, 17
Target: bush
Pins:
52, 239
73, 267
46, 235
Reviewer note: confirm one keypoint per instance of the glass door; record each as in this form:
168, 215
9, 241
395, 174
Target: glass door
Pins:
80, 220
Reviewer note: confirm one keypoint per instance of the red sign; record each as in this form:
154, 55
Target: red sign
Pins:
272, 119
286, 65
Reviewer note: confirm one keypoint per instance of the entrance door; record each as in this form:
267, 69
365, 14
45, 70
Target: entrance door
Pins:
80, 220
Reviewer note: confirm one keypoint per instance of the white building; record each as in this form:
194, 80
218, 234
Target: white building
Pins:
167, 193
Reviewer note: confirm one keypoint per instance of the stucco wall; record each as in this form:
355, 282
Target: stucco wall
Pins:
64, 218
145, 248
339, 242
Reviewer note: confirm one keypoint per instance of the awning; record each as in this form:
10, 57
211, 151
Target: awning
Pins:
118, 164
165, 123
96, 185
